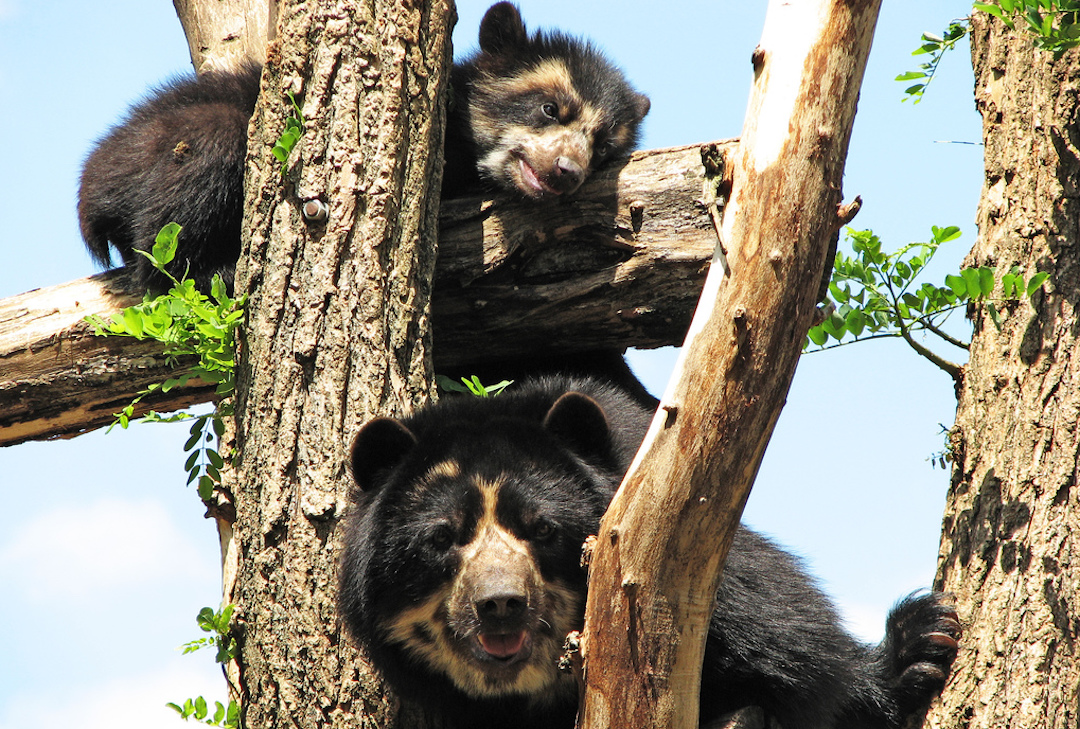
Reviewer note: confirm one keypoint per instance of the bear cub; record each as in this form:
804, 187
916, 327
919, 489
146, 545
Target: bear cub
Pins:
461, 576
532, 115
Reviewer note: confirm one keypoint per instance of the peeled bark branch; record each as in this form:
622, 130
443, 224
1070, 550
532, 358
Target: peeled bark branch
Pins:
656, 566
225, 33
620, 265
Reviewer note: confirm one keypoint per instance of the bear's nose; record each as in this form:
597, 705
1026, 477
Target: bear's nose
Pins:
501, 606
566, 174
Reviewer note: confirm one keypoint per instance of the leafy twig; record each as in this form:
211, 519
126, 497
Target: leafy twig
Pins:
874, 294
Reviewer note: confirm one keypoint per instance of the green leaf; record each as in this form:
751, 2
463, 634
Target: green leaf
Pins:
1036, 283
971, 278
855, 321
1009, 285
215, 459
817, 335
191, 442
834, 325
994, 316
200, 708
958, 284
164, 249
986, 281
234, 714
945, 235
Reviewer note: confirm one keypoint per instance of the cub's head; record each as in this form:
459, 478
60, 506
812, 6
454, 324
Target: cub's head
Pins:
544, 110
461, 570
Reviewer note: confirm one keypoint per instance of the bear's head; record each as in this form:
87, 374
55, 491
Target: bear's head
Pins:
461, 571
544, 110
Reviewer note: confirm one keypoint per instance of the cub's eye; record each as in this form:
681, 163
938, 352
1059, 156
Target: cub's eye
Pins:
603, 147
442, 538
550, 110
543, 530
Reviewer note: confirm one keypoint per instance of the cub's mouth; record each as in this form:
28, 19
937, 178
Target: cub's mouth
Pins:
540, 176
530, 182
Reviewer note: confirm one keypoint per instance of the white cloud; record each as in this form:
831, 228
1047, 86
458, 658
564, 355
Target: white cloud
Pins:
132, 702
75, 552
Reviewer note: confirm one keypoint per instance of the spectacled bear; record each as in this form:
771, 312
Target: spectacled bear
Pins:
530, 114
460, 575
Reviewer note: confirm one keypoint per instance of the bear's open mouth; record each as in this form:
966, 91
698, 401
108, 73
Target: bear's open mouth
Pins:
533, 185
504, 646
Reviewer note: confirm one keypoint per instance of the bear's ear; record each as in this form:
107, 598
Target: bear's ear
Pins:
380, 444
580, 423
502, 30
641, 105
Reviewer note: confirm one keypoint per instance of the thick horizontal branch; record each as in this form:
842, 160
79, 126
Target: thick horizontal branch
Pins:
57, 379
622, 264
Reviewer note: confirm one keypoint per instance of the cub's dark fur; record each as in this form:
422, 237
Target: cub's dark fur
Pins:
460, 575
534, 115
177, 157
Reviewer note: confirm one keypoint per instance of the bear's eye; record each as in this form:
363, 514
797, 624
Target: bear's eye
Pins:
442, 538
604, 147
550, 110
543, 530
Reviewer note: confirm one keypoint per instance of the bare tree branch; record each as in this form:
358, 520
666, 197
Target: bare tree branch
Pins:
662, 544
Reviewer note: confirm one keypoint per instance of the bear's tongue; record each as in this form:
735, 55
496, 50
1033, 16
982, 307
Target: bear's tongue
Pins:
502, 645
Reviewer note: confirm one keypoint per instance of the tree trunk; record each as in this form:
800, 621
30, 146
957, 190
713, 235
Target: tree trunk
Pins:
620, 265
1011, 520
337, 332
656, 567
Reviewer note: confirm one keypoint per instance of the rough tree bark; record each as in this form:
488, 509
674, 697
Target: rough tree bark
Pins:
620, 265
1012, 515
337, 331
656, 565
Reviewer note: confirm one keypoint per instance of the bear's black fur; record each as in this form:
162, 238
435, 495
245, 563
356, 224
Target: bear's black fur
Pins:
460, 575
177, 157
533, 115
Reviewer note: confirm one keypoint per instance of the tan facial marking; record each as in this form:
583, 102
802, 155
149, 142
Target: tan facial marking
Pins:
443, 469
549, 76
424, 630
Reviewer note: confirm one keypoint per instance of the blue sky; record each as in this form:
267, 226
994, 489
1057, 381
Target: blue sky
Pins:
104, 554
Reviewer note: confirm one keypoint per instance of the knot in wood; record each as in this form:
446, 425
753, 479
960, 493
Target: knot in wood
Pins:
757, 58
587, 549
637, 215
315, 211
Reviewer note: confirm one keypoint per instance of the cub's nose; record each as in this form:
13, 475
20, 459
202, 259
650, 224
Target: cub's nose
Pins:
566, 174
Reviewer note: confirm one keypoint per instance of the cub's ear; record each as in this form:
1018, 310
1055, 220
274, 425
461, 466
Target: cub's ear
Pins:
502, 30
381, 444
579, 422
641, 105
